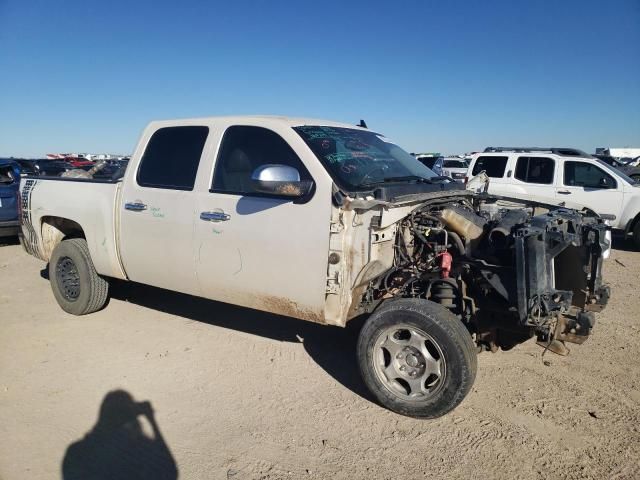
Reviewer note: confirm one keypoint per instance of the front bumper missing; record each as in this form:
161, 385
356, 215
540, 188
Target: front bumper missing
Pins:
559, 276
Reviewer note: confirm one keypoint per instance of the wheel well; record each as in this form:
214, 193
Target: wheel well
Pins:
56, 229
632, 224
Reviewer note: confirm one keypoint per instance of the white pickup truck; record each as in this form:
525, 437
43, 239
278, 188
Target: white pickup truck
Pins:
326, 222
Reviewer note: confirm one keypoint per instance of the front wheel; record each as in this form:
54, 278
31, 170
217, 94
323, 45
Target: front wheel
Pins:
416, 358
76, 285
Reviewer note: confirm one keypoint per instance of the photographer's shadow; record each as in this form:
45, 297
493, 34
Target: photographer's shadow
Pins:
117, 446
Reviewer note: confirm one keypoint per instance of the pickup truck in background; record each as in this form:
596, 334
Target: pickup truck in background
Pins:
326, 222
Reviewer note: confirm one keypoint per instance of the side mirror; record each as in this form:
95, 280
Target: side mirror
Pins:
603, 183
280, 180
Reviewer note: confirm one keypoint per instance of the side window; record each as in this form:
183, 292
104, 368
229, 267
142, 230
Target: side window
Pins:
493, 166
7, 175
580, 174
246, 148
172, 157
535, 170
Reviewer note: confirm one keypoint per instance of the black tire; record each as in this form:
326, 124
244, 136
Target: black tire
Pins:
635, 235
447, 338
76, 285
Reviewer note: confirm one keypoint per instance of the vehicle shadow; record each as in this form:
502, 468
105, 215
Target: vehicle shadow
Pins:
332, 348
623, 243
8, 241
118, 447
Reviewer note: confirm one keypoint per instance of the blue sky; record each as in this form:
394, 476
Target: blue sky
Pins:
447, 76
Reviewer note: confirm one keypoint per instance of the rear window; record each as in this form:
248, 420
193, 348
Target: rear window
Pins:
172, 157
535, 170
493, 166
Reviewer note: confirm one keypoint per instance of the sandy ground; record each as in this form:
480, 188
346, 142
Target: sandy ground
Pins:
239, 394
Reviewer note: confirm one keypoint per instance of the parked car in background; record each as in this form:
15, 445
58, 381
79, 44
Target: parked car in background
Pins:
455, 168
429, 160
630, 162
79, 162
563, 176
43, 166
9, 183
625, 165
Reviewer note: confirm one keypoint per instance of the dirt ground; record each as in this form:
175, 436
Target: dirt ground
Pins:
239, 394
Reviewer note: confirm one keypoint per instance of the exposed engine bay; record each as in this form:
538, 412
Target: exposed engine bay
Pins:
507, 272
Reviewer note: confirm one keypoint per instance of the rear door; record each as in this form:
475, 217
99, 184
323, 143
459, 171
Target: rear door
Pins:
158, 206
587, 184
258, 250
496, 168
534, 176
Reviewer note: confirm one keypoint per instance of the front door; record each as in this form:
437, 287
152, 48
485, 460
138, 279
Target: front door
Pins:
260, 251
586, 184
157, 210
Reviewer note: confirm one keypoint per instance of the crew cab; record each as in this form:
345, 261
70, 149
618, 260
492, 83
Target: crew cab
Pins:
566, 177
326, 222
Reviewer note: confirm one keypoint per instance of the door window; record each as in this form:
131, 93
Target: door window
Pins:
580, 174
245, 148
535, 170
172, 157
493, 166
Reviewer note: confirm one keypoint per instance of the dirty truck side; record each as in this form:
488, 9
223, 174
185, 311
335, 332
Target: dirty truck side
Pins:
327, 222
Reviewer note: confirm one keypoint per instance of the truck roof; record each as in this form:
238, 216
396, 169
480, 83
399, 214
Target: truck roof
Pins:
263, 120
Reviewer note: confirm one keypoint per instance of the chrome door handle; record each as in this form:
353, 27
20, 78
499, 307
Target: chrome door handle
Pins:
564, 192
214, 216
135, 206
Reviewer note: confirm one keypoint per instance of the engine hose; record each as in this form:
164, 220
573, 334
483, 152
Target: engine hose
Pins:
458, 241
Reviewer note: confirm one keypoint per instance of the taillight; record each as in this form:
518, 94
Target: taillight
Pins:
19, 203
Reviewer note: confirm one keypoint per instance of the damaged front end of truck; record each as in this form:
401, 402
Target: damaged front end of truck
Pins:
508, 269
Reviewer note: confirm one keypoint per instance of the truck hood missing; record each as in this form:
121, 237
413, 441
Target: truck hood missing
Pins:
538, 263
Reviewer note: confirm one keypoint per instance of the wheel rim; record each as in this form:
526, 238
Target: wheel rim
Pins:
409, 362
68, 279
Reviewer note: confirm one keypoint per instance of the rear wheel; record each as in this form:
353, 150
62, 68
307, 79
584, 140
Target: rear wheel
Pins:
417, 358
76, 285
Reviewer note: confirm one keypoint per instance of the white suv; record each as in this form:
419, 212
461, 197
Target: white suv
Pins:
562, 176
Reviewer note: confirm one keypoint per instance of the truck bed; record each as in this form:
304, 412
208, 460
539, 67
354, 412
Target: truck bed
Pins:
87, 202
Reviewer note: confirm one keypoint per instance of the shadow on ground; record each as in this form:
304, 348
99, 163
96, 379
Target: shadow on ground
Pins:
332, 348
7, 241
117, 446
621, 242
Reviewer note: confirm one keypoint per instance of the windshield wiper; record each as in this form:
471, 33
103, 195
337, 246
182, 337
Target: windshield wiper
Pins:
403, 178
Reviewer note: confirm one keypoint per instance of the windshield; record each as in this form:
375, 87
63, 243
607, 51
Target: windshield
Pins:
359, 159
455, 164
619, 173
